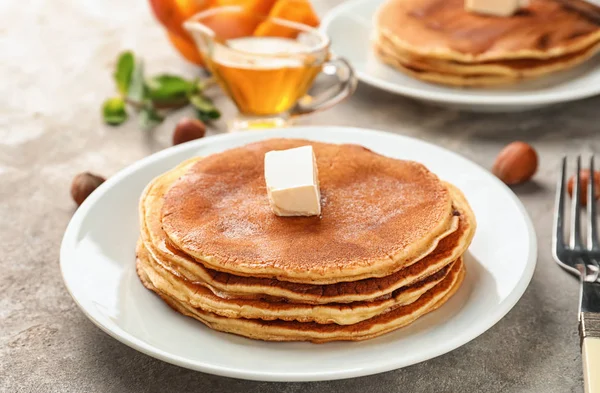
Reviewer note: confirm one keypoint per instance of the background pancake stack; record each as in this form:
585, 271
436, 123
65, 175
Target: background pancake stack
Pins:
439, 41
386, 250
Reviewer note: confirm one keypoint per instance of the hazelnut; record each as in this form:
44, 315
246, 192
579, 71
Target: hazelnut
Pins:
516, 163
584, 176
187, 130
83, 185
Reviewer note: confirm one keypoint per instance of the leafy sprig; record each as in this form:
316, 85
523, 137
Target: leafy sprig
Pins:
152, 98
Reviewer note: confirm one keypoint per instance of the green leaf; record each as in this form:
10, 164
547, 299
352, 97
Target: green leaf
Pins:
137, 88
202, 103
149, 117
123, 72
154, 97
207, 117
169, 87
113, 111
205, 109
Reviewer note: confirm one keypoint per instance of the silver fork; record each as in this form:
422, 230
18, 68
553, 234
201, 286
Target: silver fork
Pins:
583, 262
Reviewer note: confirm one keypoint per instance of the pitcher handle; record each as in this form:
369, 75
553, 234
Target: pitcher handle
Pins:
346, 85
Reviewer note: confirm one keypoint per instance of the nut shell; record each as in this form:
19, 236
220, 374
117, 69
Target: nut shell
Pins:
83, 185
516, 163
584, 176
187, 130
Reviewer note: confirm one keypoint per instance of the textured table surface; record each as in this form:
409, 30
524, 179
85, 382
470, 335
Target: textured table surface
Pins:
57, 59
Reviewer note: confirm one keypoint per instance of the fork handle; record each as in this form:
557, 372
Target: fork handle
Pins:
589, 328
591, 364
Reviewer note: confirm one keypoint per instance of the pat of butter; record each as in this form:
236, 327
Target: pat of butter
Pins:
292, 182
495, 7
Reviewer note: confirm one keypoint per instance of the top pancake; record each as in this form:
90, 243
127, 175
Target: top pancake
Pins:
231, 286
378, 214
444, 29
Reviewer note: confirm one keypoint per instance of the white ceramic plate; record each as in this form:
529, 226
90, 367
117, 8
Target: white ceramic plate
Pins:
97, 262
350, 27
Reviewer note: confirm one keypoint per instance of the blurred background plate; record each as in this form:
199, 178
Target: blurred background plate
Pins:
350, 27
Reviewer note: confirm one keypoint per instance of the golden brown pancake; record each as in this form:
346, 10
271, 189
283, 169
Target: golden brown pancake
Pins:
443, 29
198, 296
513, 68
444, 78
379, 214
184, 210
228, 285
280, 330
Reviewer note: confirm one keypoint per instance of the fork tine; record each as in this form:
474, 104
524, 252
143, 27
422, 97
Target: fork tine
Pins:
558, 238
592, 232
575, 238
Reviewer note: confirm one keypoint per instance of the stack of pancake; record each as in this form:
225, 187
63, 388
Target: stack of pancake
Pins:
439, 41
386, 250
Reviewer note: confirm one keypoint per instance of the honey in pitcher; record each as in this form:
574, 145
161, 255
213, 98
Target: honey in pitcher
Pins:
264, 75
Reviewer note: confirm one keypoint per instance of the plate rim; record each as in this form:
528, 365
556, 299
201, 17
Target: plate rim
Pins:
69, 239
533, 99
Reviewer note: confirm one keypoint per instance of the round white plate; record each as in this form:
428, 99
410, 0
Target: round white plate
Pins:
97, 262
350, 27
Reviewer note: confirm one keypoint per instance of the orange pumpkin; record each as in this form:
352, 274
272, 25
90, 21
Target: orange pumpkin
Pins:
172, 13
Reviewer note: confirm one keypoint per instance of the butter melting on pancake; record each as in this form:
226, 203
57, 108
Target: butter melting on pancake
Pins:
231, 286
378, 214
444, 29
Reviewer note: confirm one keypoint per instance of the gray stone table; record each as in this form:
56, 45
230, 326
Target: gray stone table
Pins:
56, 59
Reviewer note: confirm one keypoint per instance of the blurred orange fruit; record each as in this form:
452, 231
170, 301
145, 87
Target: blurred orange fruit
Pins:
172, 13
295, 10
187, 48
260, 7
